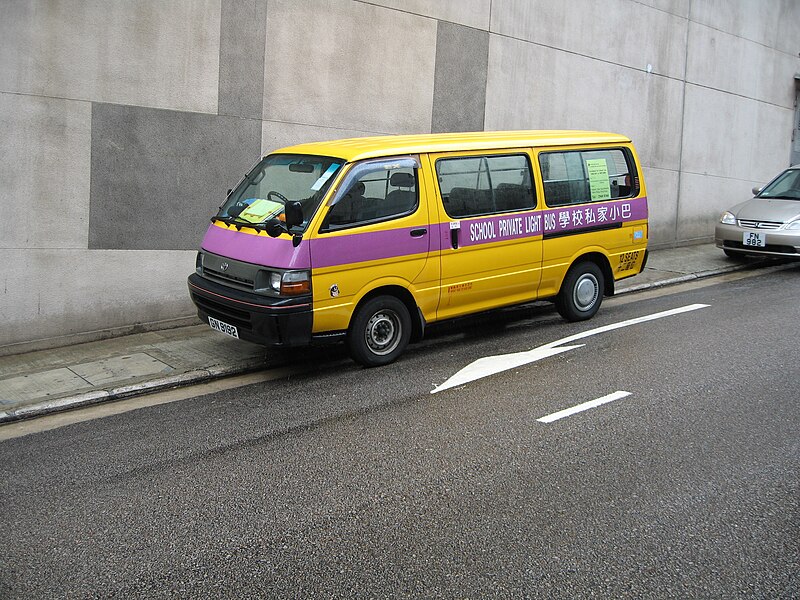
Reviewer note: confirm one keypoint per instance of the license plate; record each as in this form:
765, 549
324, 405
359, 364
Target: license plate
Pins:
753, 239
223, 327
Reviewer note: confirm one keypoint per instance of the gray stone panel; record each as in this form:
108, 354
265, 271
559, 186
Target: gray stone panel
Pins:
624, 32
459, 89
726, 62
241, 58
732, 137
676, 7
472, 13
773, 23
662, 204
52, 293
349, 65
158, 176
147, 52
44, 172
535, 87
703, 198
275, 135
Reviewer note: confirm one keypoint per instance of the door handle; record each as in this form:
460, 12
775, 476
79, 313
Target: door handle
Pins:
454, 238
418, 232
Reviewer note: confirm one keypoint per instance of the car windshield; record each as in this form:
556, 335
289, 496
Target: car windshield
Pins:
785, 186
276, 180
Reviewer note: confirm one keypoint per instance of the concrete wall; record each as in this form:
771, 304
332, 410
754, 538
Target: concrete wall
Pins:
117, 114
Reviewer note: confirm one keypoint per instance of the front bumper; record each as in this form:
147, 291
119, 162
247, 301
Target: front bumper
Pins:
282, 322
780, 243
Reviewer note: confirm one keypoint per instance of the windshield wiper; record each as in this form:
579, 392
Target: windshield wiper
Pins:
239, 223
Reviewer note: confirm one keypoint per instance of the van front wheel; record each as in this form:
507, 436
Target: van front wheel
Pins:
380, 331
581, 293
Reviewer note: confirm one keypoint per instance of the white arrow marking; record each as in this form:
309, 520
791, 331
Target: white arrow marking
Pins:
581, 407
490, 365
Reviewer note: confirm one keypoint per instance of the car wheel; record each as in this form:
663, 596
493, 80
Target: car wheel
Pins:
581, 292
379, 332
734, 255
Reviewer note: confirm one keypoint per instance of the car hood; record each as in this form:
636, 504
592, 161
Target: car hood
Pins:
768, 209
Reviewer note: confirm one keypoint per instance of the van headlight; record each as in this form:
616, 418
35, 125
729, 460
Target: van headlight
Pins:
283, 283
728, 218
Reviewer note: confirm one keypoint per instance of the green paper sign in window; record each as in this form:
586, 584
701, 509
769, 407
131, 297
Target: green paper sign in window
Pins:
598, 179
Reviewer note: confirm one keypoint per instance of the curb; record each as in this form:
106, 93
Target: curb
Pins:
679, 279
126, 391
763, 265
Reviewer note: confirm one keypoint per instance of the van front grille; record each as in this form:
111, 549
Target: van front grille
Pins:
230, 279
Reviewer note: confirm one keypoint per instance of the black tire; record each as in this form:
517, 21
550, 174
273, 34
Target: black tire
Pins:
734, 255
379, 332
581, 292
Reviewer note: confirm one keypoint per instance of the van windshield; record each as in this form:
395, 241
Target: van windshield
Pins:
276, 180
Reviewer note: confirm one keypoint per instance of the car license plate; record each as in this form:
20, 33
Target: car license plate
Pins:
753, 239
223, 327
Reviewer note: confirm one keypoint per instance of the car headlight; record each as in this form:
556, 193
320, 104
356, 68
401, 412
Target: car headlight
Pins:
727, 218
283, 283
793, 226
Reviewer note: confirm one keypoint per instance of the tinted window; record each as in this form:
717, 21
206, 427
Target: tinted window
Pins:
482, 185
375, 191
575, 177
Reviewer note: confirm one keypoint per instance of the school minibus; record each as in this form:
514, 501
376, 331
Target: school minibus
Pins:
369, 240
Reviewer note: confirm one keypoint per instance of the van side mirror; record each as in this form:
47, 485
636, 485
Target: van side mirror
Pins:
294, 214
274, 228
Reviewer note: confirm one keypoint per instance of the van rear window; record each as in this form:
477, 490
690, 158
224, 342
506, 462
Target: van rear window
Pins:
482, 185
579, 176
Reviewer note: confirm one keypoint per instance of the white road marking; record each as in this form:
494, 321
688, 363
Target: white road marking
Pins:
490, 365
582, 407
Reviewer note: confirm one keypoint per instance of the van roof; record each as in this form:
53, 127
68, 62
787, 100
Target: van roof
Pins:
353, 149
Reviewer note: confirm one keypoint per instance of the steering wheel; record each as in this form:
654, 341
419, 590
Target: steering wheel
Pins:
283, 198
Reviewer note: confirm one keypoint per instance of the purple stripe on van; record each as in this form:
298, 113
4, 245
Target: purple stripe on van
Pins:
535, 223
257, 249
374, 245
328, 251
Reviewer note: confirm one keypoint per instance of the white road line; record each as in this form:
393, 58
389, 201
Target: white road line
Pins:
489, 365
582, 407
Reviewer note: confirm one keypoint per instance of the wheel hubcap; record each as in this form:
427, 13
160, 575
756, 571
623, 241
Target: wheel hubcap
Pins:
587, 291
383, 332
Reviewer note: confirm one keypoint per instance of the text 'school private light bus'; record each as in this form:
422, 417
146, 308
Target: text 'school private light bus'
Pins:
371, 239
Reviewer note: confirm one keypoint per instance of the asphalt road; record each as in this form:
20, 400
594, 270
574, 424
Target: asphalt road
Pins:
345, 482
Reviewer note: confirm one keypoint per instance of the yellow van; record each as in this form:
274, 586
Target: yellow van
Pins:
369, 240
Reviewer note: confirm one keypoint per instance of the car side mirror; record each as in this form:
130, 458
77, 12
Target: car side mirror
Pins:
274, 228
757, 190
294, 214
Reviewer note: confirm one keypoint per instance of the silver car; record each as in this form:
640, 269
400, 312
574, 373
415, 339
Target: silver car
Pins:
766, 225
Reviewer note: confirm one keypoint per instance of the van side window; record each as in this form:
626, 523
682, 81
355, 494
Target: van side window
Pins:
575, 177
483, 185
376, 194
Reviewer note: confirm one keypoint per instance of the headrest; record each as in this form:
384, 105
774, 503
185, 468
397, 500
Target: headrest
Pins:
357, 189
402, 180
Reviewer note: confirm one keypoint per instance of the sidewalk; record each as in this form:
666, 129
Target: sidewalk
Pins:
45, 381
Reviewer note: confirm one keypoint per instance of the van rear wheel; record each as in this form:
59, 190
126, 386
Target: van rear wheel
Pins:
380, 331
581, 292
